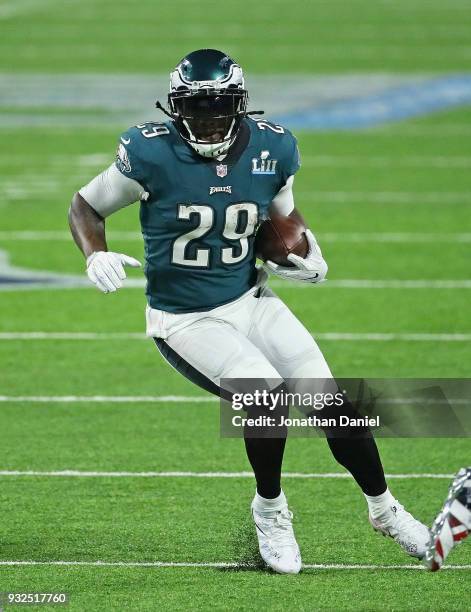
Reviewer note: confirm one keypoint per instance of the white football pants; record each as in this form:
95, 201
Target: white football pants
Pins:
255, 336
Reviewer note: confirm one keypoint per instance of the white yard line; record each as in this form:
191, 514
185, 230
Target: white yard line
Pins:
226, 564
179, 474
74, 283
367, 52
412, 237
72, 336
164, 399
48, 235
391, 337
401, 237
13, 8
56, 164
388, 197
354, 283
116, 399
378, 161
434, 130
152, 399
328, 336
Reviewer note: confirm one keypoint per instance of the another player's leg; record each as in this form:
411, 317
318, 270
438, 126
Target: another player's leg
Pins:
206, 352
296, 356
453, 523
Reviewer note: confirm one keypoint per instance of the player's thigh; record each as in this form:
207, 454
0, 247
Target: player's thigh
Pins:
285, 342
218, 351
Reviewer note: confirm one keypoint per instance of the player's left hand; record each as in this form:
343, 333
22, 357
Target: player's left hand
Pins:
312, 269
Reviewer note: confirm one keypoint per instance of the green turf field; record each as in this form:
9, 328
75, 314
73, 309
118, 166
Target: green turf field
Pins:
391, 206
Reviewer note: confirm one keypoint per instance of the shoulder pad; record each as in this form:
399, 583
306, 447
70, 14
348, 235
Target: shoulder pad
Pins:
136, 146
282, 144
151, 129
268, 126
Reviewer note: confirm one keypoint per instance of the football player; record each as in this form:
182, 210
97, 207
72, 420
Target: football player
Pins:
205, 178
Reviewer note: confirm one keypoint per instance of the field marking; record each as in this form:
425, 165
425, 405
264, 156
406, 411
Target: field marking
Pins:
328, 336
378, 161
433, 130
388, 197
65, 162
397, 103
179, 474
72, 336
26, 190
401, 237
395, 130
227, 564
386, 237
152, 399
389, 337
354, 283
356, 51
63, 282
342, 102
20, 7
366, 52
117, 399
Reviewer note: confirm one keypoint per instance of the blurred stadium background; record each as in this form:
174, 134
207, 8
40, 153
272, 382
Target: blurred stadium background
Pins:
379, 96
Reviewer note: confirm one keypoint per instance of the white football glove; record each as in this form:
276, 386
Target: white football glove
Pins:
312, 269
106, 269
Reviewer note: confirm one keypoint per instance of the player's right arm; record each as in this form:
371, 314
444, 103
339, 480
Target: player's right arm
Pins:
87, 226
105, 194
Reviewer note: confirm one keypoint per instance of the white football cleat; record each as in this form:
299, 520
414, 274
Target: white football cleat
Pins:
453, 523
411, 535
276, 541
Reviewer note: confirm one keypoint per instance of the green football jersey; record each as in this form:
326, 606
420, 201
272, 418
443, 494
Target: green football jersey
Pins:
200, 217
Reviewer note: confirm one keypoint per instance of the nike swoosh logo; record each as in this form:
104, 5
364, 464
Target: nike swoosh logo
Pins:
124, 141
261, 530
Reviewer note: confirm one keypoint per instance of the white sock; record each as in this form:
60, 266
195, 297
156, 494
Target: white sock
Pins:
379, 504
269, 506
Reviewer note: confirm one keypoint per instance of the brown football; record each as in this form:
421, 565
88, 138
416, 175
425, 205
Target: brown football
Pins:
279, 236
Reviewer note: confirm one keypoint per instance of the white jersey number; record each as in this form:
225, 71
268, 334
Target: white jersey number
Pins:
241, 220
157, 129
240, 223
206, 218
263, 125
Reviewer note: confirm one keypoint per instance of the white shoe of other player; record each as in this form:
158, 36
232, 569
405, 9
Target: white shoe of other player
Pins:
453, 523
276, 541
411, 535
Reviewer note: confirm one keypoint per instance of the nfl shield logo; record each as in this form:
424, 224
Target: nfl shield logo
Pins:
221, 170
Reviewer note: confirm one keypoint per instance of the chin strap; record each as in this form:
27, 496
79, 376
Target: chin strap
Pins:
164, 110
